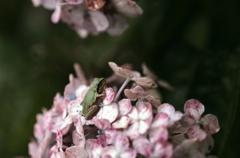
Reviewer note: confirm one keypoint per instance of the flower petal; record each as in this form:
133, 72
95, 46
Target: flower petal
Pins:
78, 139
187, 121
76, 152
189, 148
129, 153
155, 102
123, 72
101, 123
166, 108
194, 108
144, 125
145, 82
122, 122
94, 148
158, 134
118, 25
127, 7
125, 106
196, 132
144, 109
132, 131
56, 14
110, 133
135, 93
162, 150
109, 96
210, 123
109, 152
120, 142
133, 115
109, 112
143, 146
206, 145
160, 120
99, 20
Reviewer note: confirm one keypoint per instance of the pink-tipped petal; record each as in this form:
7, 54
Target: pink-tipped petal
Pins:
109, 96
133, 131
109, 152
102, 140
133, 115
187, 121
194, 108
160, 120
210, 123
109, 112
121, 122
56, 14
129, 153
167, 108
144, 109
120, 142
110, 133
196, 132
170, 110
55, 152
94, 148
125, 106
101, 123
143, 146
78, 139
76, 152
162, 149
158, 134
144, 125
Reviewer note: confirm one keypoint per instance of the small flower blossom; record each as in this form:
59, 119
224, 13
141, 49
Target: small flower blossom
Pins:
170, 110
140, 119
198, 127
125, 106
120, 148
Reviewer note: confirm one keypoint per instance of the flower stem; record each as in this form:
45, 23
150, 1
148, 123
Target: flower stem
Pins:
121, 89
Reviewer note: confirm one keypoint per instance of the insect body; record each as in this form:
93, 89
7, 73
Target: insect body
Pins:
95, 90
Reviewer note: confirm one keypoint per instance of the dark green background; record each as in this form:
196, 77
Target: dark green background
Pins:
194, 45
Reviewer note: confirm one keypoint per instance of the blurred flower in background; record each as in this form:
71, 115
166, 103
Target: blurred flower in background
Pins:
92, 16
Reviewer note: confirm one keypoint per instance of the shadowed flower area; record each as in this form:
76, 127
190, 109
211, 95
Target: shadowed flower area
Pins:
191, 49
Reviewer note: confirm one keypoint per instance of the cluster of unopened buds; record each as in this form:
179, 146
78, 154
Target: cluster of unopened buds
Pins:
120, 117
92, 16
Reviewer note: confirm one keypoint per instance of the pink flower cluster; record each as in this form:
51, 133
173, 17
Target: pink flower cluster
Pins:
129, 123
92, 16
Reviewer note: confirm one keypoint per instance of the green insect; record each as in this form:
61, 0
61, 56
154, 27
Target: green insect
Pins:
95, 90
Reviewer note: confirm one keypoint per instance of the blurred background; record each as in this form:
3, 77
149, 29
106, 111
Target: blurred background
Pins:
194, 45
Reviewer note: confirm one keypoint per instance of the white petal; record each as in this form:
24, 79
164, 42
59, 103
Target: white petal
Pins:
99, 20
